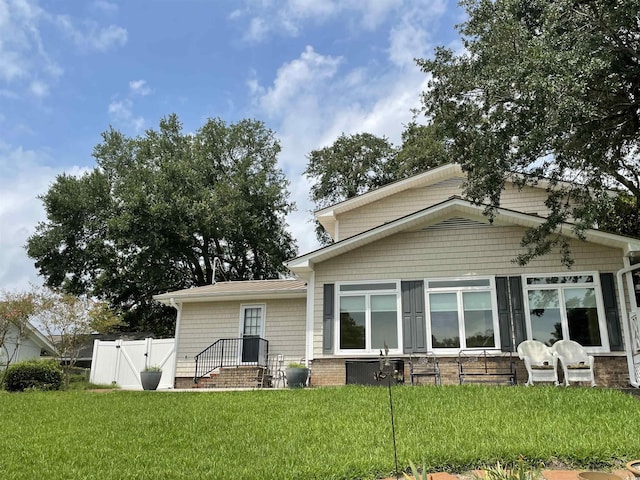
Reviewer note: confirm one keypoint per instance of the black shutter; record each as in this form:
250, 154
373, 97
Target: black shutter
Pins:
611, 311
504, 318
414, 333
510, 312
328, 303
517, 310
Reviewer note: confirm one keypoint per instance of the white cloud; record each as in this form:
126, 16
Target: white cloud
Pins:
289, 18
139, 87
298, 77
19, 39
104, 38
315, 97
25, 59
89, 36
257, 30
39, 88
121, 110
23, 177
105, 7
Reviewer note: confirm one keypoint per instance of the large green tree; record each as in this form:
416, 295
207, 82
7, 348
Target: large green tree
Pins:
544, 89
158, 209
352, 165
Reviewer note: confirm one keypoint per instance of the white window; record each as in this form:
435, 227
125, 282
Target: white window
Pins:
566, 307
462, 313
368, 317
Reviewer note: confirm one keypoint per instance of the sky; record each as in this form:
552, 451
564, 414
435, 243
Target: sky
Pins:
309, 69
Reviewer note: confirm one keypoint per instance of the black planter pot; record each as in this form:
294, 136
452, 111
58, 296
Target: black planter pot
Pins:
150, 380
297, 377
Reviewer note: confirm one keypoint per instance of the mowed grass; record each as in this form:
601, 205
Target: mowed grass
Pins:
333, 433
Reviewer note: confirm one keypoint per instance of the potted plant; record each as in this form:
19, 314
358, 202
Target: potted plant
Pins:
150, 377
634, 467
297, 374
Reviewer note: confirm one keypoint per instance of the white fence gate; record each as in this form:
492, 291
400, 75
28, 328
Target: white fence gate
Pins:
121, 362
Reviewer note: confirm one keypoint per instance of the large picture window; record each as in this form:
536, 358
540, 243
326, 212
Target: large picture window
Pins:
368, 317
462, 313
566, 307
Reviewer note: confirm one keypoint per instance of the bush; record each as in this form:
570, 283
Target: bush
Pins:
35, 374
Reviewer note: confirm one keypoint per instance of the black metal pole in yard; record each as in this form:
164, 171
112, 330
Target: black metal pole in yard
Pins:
387, 371
393, 426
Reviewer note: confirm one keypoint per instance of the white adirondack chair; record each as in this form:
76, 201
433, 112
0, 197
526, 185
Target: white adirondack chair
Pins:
540, 362
576, 364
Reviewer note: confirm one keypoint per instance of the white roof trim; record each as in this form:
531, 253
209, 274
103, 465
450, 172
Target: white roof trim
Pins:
449, 208
205, 294
40, 340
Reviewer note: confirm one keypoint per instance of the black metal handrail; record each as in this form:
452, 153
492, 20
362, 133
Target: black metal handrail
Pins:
231, 352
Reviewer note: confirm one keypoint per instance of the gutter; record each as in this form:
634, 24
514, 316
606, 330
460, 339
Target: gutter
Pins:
178, 307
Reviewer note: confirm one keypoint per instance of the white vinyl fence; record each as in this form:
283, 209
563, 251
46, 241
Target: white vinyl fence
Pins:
121, 362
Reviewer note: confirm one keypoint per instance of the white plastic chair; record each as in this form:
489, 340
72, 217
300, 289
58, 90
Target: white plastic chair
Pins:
540, 362
577, 365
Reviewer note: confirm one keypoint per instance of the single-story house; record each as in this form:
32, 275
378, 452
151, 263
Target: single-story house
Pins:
417, 267
32, 344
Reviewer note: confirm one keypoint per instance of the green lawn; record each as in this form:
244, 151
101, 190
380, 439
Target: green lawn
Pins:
337, 433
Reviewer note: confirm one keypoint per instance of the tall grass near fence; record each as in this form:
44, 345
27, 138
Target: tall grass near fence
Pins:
337, 433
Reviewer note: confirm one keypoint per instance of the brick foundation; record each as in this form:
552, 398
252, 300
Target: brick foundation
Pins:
611, 371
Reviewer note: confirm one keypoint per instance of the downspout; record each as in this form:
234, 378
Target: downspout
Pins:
625, 323
176, 340
311, 287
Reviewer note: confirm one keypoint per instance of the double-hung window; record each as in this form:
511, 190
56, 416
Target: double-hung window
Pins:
462, 313
368, 317
566, 307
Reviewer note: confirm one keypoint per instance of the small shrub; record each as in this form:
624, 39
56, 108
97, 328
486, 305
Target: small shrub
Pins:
152, 368
416, 474
520, 471
33, 374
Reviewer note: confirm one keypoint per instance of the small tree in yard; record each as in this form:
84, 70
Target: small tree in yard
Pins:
68, 320
15, 310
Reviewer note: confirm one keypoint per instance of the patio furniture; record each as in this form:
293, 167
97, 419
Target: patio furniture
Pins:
577, 365
539, 361
272, 374
476, 366
277, 370
424, 366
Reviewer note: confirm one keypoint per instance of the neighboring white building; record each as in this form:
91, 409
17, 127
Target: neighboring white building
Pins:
32, 346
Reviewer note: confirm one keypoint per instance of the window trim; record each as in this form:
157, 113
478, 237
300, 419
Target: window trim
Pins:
367, 293
597, 287
491, 288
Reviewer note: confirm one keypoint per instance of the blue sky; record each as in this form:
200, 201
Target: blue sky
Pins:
310, 69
